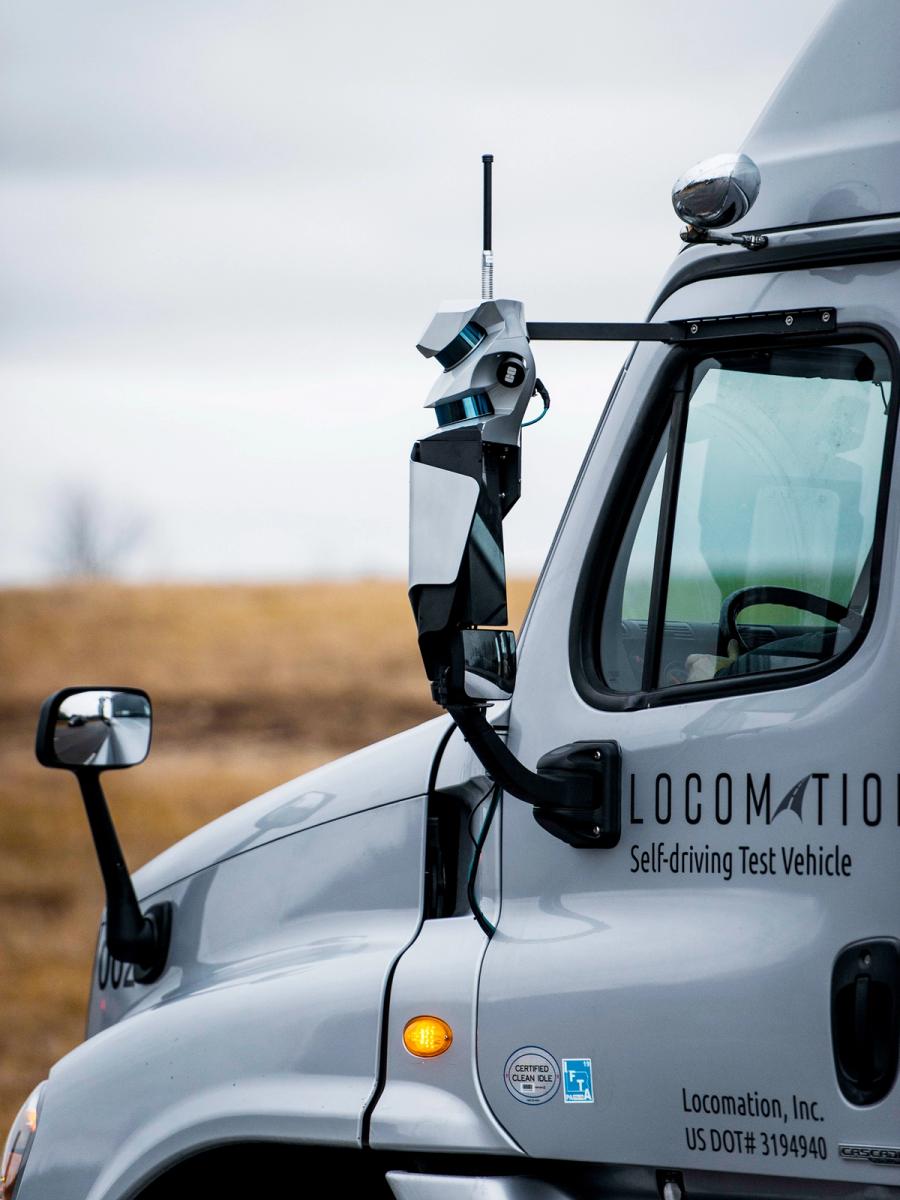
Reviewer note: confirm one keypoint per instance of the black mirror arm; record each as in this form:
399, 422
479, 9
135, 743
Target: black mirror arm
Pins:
575, 792
131, 935
541, 790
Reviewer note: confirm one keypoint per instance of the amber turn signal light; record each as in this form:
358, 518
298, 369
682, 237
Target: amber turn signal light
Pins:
427, 1037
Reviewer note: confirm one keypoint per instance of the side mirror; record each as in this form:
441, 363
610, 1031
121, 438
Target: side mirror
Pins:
105, 728
442, 505
87, 730
489, 657
457, 575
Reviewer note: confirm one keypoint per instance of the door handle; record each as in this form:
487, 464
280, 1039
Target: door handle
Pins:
865, 1018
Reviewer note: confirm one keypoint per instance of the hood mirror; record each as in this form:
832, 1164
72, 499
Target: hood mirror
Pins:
106, 728
88, 730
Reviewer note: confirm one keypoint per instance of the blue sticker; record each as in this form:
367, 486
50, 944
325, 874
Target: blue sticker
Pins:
578, 1081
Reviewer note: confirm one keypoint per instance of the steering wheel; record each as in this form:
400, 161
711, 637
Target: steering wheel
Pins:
766, 593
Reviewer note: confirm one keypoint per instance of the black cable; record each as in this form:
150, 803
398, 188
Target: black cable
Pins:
474, 813
440, 853
436, 761
479, 916
494, 792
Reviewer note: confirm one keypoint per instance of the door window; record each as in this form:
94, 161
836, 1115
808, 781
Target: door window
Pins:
750, 548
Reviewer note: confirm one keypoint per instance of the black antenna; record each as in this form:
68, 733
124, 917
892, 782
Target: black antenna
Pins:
487, 257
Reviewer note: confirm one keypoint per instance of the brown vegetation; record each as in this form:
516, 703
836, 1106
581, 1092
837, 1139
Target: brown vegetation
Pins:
251, 685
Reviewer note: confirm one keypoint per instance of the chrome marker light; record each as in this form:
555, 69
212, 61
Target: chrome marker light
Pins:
717, 192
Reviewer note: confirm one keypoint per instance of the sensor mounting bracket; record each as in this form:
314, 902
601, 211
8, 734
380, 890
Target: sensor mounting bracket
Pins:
787, 323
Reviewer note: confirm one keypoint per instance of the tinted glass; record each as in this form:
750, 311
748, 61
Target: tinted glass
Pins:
774, 517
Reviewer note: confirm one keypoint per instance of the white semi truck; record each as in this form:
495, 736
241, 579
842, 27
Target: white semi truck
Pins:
626, 922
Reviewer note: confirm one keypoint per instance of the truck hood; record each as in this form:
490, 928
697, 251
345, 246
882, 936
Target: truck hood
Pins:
394, 769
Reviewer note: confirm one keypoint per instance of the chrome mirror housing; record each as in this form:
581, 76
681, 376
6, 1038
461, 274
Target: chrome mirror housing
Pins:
717, 192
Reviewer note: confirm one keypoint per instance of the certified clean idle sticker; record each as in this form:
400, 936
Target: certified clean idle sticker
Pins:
531, 1075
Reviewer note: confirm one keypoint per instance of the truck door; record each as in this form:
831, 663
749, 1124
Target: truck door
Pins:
720, 990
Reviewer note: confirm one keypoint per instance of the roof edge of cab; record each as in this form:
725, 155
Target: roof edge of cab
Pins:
843, 243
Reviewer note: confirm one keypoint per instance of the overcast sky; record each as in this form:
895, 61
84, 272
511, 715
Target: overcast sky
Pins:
224, 224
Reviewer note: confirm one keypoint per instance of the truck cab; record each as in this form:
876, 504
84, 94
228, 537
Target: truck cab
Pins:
414, 971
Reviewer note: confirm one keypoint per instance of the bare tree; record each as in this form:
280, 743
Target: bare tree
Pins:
92, 535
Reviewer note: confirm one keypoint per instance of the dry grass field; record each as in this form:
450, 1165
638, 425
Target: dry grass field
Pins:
251, 685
